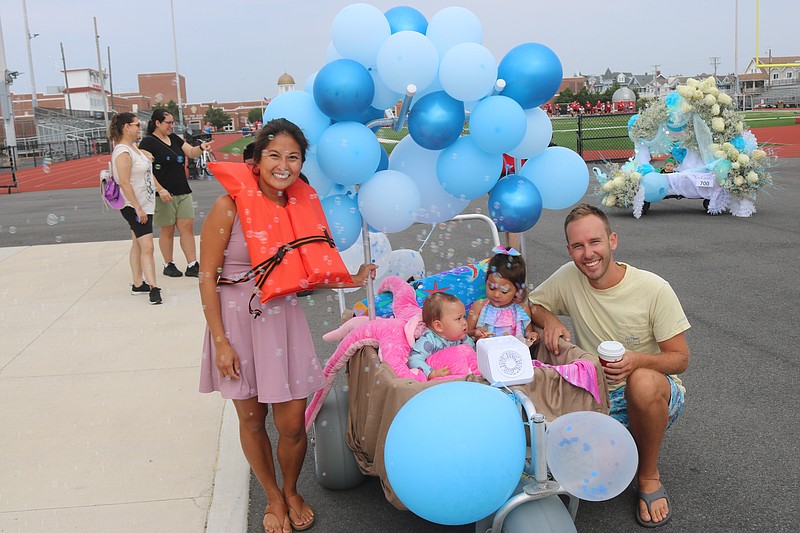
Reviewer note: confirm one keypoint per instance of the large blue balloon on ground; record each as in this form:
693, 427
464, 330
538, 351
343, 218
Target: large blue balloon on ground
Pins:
436, 121
560, 174
515, 204
532, 73
452, 469
343, 90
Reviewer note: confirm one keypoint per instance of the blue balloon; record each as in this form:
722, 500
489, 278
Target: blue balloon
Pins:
454, 25
532, 73
515, 204
299, 107
538, 134
348, 153
358, 31
407, 57
468, 72
656, 186
389, 201
344, 219
721, 170
645, 168
404, 18
343, 89
632, 120
497, 124
436, 121
471, 463
560, 174
674, 101
384, 164
466, 171
316, 178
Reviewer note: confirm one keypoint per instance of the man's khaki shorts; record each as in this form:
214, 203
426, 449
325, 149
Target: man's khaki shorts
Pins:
167, 213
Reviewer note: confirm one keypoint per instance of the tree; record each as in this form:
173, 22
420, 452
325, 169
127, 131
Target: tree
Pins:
171, 107
566, 96
217, 117
255, 115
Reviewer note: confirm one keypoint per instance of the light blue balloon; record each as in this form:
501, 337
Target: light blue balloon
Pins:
332, 54
407, 57
384, 164
468, 71
532, 73
309, 85
389, 201
497, 124
348, 153
358, 31
739, 143
343, 89
384, 97
344, 219
632, 120
420, 164
299, 107
404, 18
466, 171
471, 463
316, 178
515, 204
538, 134
454, 25
436, 121
560, 174
656, 186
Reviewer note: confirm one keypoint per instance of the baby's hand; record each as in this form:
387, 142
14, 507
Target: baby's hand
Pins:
531, 338
439, 373
482, 333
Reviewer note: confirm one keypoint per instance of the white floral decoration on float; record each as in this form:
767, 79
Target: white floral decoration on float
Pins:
700, 127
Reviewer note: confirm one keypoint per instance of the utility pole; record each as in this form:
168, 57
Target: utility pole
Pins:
655, 70
736, 56
66, 79
714, 62
110, 79
6, 103
28, 38
102, 77
177, 75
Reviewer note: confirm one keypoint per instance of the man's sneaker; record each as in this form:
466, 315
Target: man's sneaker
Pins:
193, 271
172, 271
144, 288
155, 295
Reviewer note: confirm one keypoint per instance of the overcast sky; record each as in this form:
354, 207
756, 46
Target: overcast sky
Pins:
237, 49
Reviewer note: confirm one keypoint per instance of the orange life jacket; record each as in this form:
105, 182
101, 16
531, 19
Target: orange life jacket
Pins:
291, 248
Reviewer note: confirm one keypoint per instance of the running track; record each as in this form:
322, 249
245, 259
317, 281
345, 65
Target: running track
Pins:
81, 173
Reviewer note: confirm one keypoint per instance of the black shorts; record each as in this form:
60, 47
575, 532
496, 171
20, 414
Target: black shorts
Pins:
138, 229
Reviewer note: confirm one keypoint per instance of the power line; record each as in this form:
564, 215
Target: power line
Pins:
714, 62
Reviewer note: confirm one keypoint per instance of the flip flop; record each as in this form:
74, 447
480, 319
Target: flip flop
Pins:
269, 511
648, 500
297, 526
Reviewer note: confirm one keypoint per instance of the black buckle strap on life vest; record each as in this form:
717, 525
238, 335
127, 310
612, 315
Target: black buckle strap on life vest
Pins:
262, 271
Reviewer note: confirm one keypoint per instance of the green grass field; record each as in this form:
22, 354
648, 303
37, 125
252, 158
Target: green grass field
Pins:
601, 132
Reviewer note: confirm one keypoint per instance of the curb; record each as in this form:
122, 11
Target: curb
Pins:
231, 493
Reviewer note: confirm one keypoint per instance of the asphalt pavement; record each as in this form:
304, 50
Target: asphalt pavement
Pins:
727, 463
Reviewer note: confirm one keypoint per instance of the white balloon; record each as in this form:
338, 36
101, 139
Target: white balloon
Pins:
405, 264
379, 248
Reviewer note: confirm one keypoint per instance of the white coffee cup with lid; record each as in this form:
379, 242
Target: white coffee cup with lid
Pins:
610, 352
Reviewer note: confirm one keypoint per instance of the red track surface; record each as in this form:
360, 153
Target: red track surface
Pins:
82, 173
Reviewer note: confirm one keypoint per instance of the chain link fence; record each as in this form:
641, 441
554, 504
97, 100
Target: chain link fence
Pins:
601, 137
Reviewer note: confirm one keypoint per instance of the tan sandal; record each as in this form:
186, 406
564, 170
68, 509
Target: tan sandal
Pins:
270, 512
299, 525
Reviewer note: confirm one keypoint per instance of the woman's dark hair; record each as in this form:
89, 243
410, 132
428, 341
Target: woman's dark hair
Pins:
275, 127
510, 267
118, 122
159, 115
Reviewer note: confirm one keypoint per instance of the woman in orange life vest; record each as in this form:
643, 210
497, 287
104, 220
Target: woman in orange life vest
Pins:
269, 359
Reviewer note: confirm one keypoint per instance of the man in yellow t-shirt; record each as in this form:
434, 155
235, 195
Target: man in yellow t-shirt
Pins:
609, 300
